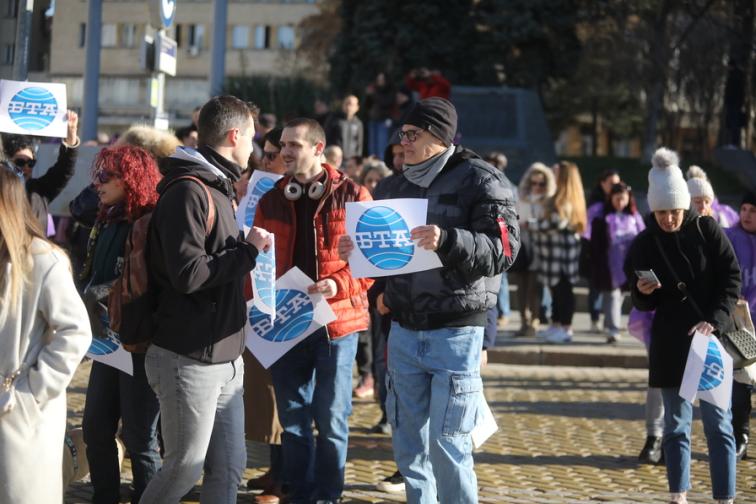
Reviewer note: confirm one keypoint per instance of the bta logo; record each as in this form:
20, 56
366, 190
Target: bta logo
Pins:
294, 313
33, 108
384, 238
713, 372
261, 187
264, 275
106, 344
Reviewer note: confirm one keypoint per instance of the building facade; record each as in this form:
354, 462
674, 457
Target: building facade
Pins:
260, 40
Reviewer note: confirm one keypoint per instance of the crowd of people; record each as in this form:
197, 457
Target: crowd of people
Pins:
419, 339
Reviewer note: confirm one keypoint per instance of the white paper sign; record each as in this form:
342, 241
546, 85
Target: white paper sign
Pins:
264, 281
485, 423
33, 108
109, 350
298, 314
380, 231
260, 183
708, 372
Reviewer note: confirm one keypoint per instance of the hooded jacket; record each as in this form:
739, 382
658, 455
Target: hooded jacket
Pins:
704, 259
475, 206
201, 310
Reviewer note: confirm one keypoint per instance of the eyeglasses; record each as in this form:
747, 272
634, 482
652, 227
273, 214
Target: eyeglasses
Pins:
25, 162
410, 135
103, 177
270, 155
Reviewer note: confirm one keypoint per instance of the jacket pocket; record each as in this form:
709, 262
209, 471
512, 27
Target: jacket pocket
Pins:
462, 408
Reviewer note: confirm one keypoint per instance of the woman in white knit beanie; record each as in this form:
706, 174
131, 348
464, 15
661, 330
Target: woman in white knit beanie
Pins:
697, 284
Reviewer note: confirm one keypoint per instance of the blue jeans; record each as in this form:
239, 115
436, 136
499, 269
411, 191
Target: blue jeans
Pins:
313, 382
503, 301
112, 395
434, 388
202, 420
678, 416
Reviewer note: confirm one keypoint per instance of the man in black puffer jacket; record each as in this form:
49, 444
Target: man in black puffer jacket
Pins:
439, 315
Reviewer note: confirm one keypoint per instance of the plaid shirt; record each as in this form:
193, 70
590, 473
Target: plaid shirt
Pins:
557, 249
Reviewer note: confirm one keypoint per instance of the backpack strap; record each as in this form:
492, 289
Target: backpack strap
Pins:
210, 202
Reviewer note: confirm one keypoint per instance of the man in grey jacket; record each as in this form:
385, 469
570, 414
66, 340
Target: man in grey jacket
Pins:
434, 348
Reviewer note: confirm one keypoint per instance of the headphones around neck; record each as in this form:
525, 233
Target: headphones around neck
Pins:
294, 190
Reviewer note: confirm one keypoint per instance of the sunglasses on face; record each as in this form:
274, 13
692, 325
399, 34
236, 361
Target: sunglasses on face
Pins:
25, 162
270, 155
410, 135
103, 177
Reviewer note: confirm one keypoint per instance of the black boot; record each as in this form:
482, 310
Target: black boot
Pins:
652, 451
741, 446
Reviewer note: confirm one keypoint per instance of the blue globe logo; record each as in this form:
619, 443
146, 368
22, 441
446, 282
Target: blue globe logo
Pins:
33, 108
713, 373
261, 187
294, 313
384, 238
108, 344
264, 272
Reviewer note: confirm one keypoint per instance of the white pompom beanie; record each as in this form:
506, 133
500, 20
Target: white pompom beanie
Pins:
700, 187
667, 189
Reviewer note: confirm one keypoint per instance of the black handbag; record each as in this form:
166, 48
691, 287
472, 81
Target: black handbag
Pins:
739, 343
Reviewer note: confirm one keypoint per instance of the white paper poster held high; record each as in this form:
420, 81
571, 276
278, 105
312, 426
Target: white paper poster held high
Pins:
108, 349
33, 108
260, 183
380, 231
298, 314
264, 281
708, 372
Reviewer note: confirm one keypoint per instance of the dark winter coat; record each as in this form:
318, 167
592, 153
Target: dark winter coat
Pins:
704, 260
44, 189
468, 200
201, 309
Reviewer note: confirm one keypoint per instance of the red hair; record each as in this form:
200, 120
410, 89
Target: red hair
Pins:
139, 173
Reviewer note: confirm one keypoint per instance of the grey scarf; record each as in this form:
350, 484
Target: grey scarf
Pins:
424, 173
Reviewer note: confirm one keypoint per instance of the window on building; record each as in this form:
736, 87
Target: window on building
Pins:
12, 8
82, 34
8, 53
240, 37
177, 32
196, 38
109, 35
262, 37
128, 35
285, 37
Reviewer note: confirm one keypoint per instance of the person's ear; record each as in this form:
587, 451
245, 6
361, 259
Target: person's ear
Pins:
319, 148
232, 136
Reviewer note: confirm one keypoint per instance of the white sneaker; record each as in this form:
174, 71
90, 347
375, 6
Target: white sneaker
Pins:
559, 336
613, 336
391, 484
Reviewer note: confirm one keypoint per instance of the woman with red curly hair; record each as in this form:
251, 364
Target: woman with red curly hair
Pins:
125, 178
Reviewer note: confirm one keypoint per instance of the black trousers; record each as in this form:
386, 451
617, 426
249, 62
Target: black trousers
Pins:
563, 302
741, 408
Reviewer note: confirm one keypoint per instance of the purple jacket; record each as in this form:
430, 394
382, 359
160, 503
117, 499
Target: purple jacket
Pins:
744, 244
725, 215
610, 242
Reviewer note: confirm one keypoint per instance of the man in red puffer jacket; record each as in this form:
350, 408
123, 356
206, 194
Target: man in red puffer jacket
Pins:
313, 381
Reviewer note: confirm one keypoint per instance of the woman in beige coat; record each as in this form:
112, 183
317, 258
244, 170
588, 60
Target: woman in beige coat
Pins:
44, 333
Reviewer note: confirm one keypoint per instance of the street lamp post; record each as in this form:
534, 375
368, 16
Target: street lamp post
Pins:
92, 71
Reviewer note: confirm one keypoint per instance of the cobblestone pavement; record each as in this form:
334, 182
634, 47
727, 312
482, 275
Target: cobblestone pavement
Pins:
566, 435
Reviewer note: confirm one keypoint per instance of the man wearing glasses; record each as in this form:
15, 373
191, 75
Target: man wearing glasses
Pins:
436, 338
21, 152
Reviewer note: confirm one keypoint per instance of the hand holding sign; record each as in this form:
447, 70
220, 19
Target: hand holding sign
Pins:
327, 288
708, 372
260, 238
428, 237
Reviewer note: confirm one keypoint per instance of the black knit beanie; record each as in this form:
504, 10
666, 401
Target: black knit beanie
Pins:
437, 115
750, 198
